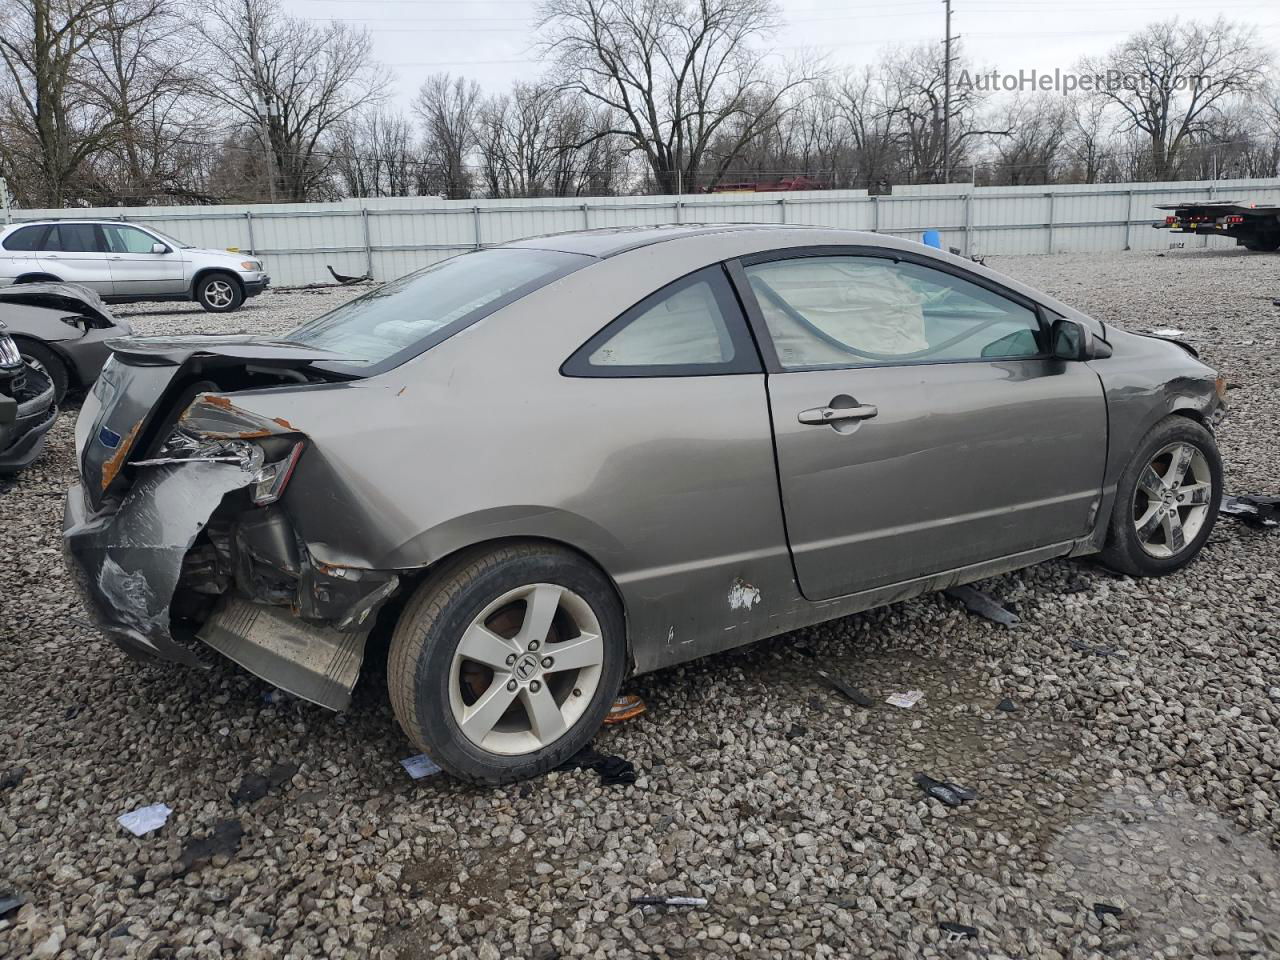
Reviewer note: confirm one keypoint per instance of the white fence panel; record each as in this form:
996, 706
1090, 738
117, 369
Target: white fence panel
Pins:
393, 236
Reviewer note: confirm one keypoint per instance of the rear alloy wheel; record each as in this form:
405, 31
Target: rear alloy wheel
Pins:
505, 663
1167, 500
219, 293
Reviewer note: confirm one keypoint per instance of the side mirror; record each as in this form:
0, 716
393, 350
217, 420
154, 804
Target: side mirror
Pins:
159, 248
1072, 340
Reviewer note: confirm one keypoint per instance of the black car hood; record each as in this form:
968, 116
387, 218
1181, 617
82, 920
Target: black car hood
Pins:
69, 297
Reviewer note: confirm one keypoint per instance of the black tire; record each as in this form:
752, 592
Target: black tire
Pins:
1124, 551
1268, 243
38, 354
429, 631
219, 293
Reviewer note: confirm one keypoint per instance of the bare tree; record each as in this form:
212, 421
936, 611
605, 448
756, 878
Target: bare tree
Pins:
448, 109
1172, 77
1031, 151
677, 74
375, 154
290, 81
53, 118
138, 73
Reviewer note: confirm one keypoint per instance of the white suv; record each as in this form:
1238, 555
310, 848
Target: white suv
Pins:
123, 262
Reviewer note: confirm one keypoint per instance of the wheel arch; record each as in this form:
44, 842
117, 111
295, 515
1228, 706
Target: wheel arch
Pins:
413, 579
206, 271
73, 376
37, 276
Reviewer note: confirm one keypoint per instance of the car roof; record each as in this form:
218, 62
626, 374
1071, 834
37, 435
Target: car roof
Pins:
610, 241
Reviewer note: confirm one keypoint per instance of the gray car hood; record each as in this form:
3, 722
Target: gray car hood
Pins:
71, 297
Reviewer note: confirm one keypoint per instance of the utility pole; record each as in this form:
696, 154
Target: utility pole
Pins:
4, 200
262, 104
946, 99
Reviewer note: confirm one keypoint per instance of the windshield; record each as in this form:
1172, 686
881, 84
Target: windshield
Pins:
171, 241
409, 315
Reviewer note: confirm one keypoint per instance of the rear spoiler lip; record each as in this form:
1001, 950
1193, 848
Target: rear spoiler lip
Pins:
175, 351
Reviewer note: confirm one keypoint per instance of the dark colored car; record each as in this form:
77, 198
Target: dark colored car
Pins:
61, 330
27, 408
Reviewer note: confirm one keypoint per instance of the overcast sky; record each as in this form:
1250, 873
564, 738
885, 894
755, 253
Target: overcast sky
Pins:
492, 41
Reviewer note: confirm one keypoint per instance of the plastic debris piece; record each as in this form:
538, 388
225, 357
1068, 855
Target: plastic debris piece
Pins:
905, 700
952, 794
1100, 650
1168, 332
849, 692
1255, 510
420, 766
983, 604
145, 819
223, 841
613, 770
1100, 910
625, 707
10, 901
255, 786
275, 697
1006, 706
668, 901
957, 932
347, 281
12, 777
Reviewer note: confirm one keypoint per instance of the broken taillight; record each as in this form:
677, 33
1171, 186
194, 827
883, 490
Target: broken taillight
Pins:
269, 483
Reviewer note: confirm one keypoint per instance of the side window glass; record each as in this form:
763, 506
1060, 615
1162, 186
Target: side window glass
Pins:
128, 240
26, 240
76, 238
692, 327
848, 311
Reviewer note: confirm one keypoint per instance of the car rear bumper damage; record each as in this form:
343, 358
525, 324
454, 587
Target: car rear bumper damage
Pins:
185, 548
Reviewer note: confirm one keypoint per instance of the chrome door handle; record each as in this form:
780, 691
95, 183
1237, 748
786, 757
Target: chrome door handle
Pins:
821, 415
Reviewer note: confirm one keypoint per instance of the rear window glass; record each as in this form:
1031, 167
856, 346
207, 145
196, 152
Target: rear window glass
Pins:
409, 315
28, 238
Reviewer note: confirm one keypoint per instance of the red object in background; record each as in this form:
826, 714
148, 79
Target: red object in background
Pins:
768, 186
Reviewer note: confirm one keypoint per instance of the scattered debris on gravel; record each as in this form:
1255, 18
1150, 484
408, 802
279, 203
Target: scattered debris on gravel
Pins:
1126, 806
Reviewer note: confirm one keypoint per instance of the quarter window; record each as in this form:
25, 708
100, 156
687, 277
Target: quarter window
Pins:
847, 311
26, 239
692, 327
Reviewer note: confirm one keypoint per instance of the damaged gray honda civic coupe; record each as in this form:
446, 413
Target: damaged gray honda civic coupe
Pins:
547, 465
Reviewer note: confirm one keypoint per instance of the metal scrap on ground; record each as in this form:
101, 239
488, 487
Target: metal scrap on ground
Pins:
952, 794
1253, 509
668, 901
625, 707
905, 700
849, 692
983, 604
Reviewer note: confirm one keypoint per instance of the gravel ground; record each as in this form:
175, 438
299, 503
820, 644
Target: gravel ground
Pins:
1148, 779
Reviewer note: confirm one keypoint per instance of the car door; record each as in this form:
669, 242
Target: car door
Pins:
20, 254
138, 269
75, 252
919, 421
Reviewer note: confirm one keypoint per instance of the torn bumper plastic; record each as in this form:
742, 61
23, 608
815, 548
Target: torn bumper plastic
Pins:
127, 563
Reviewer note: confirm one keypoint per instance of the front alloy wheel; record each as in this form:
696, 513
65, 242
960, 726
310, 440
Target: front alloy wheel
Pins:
1167, 500
1171, 499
